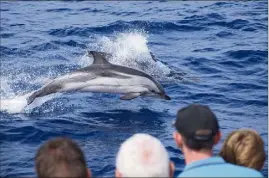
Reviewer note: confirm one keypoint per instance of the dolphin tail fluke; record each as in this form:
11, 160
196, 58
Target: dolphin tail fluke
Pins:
32, 97
49, 89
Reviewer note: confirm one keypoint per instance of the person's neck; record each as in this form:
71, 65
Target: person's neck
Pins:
192, 155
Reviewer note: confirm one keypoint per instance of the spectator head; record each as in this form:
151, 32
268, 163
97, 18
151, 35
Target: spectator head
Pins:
60, 157
244, 147
143, 155
197, 128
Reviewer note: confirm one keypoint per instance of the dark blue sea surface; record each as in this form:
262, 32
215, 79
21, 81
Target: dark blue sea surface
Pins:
222, 45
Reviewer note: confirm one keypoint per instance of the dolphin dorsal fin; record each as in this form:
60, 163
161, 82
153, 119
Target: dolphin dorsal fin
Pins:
98, 57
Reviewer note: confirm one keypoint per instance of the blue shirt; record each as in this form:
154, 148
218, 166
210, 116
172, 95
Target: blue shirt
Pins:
217, 167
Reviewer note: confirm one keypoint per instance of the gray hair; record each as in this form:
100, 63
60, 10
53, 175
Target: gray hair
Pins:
142, 155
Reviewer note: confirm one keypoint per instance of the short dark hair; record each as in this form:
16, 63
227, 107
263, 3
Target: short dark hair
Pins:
60, 157
199, 145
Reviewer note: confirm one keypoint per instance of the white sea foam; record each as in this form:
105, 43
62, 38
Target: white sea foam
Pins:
18, 104
14, 105
128, 49
15, 100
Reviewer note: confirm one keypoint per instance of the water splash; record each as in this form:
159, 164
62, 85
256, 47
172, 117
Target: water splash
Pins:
128, 49
14, 96
18, 104
14, 105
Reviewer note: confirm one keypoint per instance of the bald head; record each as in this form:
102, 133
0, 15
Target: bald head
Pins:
142, 155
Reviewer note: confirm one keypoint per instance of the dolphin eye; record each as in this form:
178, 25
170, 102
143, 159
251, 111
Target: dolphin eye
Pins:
153, 91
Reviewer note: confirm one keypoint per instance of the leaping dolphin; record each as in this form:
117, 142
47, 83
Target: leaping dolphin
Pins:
102, 76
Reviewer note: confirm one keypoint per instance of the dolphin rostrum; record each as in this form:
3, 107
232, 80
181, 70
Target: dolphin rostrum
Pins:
102, 76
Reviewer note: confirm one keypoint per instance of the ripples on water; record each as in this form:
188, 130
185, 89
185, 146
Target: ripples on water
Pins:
222, 43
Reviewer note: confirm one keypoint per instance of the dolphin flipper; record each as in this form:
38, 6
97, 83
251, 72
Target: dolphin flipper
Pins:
130, 96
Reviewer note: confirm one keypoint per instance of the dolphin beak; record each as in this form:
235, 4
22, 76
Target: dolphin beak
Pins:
166, 97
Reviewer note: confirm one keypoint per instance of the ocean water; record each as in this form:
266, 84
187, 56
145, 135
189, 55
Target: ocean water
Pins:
213, 53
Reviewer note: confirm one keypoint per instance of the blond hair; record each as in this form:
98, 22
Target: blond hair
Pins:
244, 147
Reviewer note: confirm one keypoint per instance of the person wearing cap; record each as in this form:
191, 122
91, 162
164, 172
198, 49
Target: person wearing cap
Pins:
197, 131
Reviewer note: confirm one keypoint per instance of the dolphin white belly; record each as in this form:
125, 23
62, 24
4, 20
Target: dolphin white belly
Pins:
108, 85
114, 89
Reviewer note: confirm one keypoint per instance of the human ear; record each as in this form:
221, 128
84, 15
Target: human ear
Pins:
117, 174
217, 138
178, 139
171, 169
89, 173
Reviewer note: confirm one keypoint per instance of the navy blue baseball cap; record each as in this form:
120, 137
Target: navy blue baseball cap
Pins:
197, 122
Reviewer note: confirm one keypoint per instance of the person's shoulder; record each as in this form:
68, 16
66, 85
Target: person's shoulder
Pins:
248, 172
223, 170
188, 174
